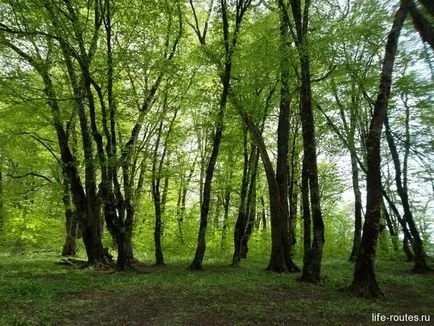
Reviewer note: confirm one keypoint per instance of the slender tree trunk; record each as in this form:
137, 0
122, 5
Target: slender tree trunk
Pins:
2, 216
364, 280
217, 212
401, 221
357, 206
307, 235
393, 234
226, 202
263, 214
206, 198
240, 224
421, 265
179, 213
280, 259
156, 178
251, 211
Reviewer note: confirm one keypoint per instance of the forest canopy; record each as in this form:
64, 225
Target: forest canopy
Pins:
160, 130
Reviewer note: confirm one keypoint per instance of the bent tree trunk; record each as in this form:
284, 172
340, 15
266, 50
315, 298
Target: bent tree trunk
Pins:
280, 258
420, 265
364, 280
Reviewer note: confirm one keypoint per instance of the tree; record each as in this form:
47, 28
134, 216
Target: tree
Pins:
230, 43
312, 259
364, 280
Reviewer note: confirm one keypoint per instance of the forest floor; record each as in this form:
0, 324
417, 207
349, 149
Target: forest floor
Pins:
36, 291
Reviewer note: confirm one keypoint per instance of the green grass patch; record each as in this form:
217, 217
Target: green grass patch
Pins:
36, 291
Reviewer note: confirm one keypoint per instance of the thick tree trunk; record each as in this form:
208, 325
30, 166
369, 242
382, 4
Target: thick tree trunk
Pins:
159, 258
307, 231
71, 222
407, 250
84, 201
240, 224
156, 178
364, 280
282, 167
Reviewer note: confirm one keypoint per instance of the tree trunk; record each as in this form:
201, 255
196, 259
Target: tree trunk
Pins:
240, 224
71, 222
282, 167
280, 258
307, 231
357, 206
196, 264
364, 280
179, 212
393, 234
156, 178
421, 265
407, 250
226, 202
263, 214
293, 194
251, 212
312, 266
159, 258
2, 216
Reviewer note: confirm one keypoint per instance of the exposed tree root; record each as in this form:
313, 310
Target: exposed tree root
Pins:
72, 262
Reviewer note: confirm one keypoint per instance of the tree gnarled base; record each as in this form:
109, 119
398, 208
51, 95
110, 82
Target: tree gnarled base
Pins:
364, 282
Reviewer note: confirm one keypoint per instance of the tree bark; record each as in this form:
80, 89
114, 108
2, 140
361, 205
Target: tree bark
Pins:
71, 222
307, 230
357, 206
226, 203
364, 280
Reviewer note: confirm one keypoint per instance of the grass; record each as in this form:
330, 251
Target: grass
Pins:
35, 291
